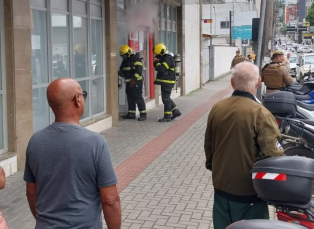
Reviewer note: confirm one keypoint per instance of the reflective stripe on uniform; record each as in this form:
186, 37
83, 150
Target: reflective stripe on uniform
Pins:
158, 64
168, 112
166, 65
143, 112
172, 69
166, 81
174, 108
138, 63
132, 111
127, 68
127, 80
138, 76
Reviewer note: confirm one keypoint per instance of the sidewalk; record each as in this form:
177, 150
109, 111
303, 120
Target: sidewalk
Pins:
163, 182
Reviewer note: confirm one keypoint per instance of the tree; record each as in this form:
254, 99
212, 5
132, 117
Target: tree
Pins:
283, 30
310, 15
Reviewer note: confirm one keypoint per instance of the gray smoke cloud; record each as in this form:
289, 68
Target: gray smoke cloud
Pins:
142, 15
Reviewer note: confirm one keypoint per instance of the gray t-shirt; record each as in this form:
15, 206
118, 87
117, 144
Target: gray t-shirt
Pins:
68, 163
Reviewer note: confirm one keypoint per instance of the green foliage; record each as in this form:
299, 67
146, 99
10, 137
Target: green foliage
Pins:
310, 15
283, 30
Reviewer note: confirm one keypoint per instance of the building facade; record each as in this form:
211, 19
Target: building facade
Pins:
43, 40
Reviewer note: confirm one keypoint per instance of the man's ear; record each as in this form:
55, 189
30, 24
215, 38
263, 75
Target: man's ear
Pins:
258, 82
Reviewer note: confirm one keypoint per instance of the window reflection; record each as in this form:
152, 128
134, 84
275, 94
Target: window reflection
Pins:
97, 63
80, 44
85, 87
39, 48
60, 46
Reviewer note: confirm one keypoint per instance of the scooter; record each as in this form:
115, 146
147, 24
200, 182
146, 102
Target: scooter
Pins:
263, 224
287, 184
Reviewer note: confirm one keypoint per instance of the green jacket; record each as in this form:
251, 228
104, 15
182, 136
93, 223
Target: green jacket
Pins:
239, 132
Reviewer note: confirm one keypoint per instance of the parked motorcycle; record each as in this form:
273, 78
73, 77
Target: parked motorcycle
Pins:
263, 224
287, 183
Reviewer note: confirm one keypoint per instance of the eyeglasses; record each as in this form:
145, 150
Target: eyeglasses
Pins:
84, 94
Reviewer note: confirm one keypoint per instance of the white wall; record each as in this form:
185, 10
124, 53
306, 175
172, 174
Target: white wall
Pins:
192, 47
223, 56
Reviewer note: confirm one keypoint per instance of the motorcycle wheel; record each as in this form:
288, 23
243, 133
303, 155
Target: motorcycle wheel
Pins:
292, 149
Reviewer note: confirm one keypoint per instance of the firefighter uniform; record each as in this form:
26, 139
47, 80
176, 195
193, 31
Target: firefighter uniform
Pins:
275, 77
237, 59
166, 79
131, 69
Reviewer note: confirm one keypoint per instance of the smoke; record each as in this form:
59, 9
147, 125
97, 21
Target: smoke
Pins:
142, 15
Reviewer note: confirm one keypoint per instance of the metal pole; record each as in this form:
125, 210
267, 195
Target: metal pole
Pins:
230, 30
260, 43
201, 44
211, 59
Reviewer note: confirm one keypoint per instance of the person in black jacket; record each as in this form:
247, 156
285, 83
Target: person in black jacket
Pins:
131, 69
164, 65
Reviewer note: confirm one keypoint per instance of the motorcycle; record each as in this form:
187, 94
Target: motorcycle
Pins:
277, 180
263, 224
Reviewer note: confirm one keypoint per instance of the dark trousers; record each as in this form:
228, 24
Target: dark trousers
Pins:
169, 105
135, 96
226, 212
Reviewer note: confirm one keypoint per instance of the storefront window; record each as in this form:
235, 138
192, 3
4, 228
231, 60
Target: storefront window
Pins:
60, 46
75, 49
80, 47
39, 70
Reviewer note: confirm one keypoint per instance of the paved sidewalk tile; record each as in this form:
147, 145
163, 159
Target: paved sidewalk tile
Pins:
163, 182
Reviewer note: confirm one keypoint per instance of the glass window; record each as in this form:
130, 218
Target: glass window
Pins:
39, 48
79, 7
174, 40
97, 95
169, 43
1, 120
40, 109
224, 24
80, 47
60, 46
97, 54
121, 4
60, 5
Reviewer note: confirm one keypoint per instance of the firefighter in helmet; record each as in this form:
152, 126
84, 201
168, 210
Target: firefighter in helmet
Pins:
275, 75
131, 70
237, 59
164, 65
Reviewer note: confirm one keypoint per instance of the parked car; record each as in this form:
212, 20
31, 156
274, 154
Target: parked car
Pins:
305, 66
294, 60
304, 49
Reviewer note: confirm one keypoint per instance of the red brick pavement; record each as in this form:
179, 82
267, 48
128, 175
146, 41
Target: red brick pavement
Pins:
128, 170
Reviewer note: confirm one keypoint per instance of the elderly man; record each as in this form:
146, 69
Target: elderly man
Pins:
239, 132
68, 171
275, 75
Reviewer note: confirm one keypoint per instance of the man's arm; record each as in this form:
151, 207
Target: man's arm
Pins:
286, 76
2, 178
208, 146
110, 201
31, 190
269, 136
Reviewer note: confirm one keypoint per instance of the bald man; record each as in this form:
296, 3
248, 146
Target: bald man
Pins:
69, 175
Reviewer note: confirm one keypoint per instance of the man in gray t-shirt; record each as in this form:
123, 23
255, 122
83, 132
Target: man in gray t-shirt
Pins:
69, 174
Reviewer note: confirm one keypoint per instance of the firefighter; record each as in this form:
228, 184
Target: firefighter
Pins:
275, 75
131, 69
164, 65
237, 59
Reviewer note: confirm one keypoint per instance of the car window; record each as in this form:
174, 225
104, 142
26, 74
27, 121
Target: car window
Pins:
309, 59
293, 59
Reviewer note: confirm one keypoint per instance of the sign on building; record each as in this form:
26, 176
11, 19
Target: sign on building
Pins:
242, 32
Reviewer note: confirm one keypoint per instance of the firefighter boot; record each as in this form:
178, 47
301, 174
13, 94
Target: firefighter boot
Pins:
175, 114
129, 116
164, 119
142, 118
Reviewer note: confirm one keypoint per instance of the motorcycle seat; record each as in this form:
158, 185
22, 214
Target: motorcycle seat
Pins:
308, 107
303, 97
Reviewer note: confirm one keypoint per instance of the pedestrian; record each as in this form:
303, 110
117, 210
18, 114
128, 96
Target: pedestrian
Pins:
69, 175
275, 75
239, 132
131, 69
237, 59
164, 65
253, 55
80, 61
250, 59
286, 61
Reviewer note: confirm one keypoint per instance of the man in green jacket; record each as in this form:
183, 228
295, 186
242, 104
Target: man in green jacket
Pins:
239, 132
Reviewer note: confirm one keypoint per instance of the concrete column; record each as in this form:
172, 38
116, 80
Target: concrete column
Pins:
111, 34
18, 51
